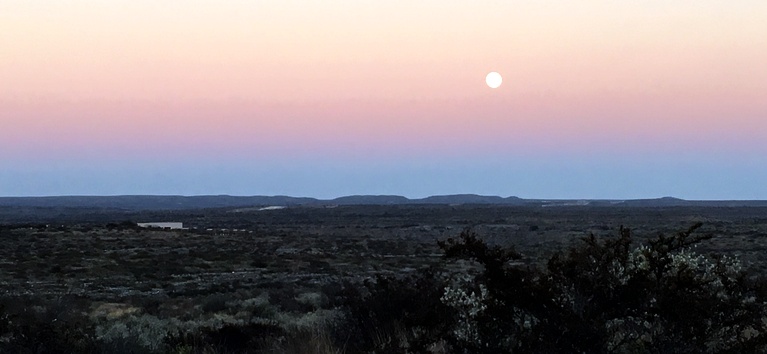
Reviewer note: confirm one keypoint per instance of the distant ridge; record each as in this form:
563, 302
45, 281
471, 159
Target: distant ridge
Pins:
369, 199
469, 199
173, 202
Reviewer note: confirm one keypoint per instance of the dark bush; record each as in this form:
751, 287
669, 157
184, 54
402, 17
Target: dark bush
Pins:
608, 296
215, 303
230, 339
30, 326
394, 315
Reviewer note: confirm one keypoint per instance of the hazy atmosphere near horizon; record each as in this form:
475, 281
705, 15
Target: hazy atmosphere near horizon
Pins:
599, 99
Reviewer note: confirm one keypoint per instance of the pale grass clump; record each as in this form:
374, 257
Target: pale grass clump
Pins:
313, 299
146, 331
469, 305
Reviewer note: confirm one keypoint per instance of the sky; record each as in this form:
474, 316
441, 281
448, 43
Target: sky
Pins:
600, 99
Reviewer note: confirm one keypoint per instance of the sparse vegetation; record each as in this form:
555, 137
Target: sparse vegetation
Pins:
377, 281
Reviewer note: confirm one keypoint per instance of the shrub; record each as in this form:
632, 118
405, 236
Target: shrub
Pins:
230, 338
56, 327
215, 303
394, 315
608, 296
307, 341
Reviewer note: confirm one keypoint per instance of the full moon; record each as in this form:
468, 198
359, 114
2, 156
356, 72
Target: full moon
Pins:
493, 79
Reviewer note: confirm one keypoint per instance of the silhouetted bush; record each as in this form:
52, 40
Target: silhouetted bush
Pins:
29, 326
230, 339
215, 303
394, 315
607, 296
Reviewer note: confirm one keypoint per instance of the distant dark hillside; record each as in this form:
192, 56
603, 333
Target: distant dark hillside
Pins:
370, 200
152, 202
436, 199
676, 202
470, 199
171, 202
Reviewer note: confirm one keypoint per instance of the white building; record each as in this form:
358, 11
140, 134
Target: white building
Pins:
163, 225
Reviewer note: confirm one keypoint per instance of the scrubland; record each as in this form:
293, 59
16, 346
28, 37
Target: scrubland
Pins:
385, 279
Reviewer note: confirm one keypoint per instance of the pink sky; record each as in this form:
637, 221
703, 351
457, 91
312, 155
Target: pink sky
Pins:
348, 81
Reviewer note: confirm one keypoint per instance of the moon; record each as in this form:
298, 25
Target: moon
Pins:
493, 79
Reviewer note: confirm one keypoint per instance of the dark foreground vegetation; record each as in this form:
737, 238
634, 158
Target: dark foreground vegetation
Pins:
87, 288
